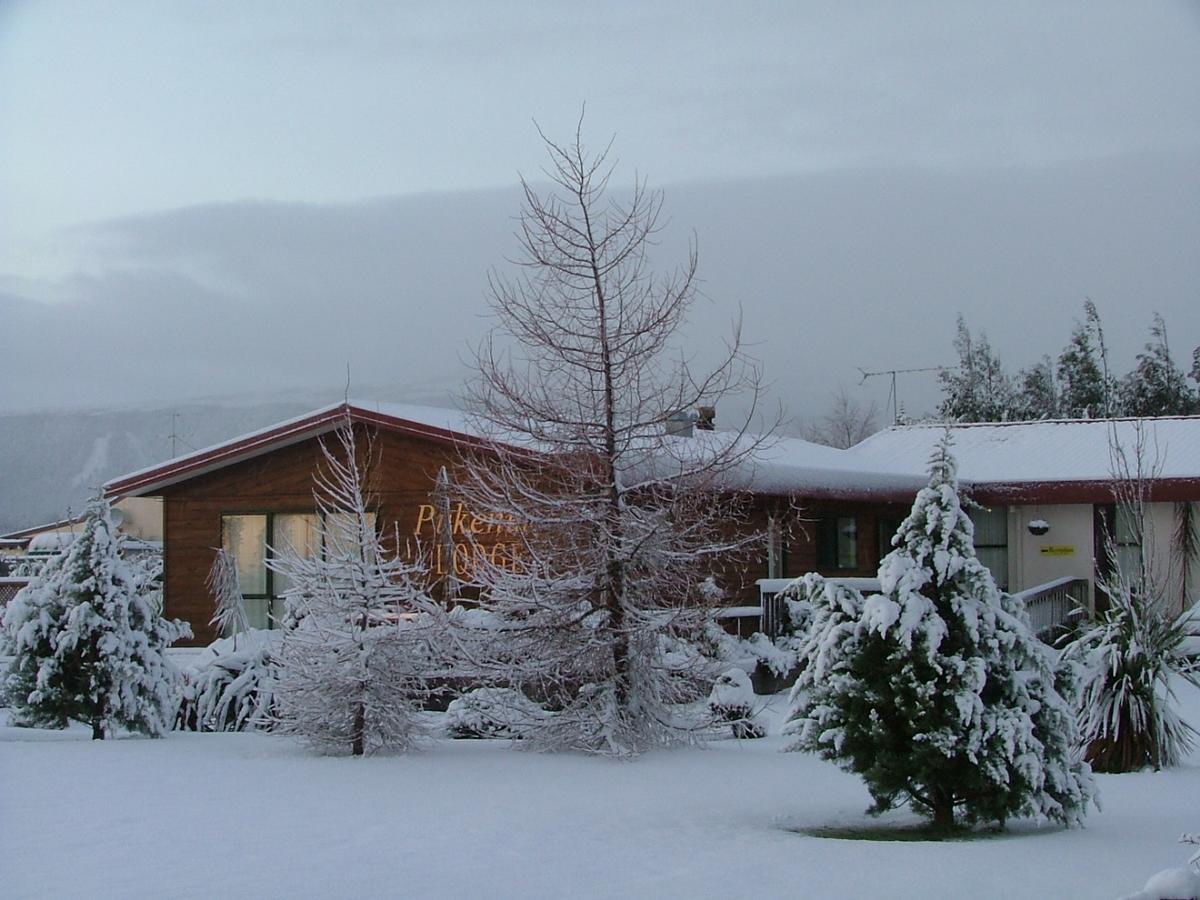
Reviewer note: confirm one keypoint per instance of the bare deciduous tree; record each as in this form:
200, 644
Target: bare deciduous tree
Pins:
617, 518
845, 423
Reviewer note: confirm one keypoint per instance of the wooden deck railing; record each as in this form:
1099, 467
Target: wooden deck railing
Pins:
1053, 604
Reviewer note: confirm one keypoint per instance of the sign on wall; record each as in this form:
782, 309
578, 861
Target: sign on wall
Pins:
1056, 550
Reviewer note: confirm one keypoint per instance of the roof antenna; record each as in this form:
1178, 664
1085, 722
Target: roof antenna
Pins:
346, 393
893, 397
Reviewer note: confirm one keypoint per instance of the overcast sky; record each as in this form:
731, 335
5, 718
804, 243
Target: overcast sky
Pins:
202, 199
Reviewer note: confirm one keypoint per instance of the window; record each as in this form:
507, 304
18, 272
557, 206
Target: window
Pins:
1117, 523
991, 541
885, 530
250, 539
837, 543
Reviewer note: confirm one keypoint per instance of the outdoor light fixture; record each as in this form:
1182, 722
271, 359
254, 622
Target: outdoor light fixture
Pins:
1038, 526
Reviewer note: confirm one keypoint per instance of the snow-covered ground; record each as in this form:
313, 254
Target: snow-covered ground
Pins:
232, 815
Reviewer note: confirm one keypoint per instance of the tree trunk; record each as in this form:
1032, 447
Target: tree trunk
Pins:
943, 810
97, 730
360, 726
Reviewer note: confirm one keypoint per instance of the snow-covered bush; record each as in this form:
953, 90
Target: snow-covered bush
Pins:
935, 691
353, 671
87, 645
232, 686
1131, 654
492, 713
732, 702
1174, 884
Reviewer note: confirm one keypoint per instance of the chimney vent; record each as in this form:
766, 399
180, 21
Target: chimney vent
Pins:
680, 423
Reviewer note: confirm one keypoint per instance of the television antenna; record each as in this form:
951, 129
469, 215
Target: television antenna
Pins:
893, 396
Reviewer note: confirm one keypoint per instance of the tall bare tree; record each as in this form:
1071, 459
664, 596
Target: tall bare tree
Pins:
615, 516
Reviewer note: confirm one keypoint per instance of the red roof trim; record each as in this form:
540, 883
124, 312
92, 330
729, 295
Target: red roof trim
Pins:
264, 441
1160, 490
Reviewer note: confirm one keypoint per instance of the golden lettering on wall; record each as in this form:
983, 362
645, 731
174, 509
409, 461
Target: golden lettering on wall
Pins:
465, 530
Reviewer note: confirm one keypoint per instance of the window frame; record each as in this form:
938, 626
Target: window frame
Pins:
269, 548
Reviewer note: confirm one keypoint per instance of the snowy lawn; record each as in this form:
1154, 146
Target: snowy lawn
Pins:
231, 815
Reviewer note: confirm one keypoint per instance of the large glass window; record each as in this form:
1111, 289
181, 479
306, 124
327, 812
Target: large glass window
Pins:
250, 539
837, 543
991, 541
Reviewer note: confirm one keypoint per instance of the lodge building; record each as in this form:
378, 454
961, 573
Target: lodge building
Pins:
1045, 495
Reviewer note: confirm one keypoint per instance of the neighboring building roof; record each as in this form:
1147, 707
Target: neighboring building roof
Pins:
25, 533
1054, 459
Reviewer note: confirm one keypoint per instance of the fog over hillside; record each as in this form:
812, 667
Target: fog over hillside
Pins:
51, 462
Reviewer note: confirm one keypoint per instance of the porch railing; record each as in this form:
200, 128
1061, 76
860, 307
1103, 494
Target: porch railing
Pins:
770, 594
1055, 603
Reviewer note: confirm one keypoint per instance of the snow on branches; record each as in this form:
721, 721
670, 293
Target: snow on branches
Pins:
616, 520
935, 691
363, 636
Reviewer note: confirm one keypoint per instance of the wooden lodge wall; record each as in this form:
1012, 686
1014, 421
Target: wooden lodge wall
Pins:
402, 483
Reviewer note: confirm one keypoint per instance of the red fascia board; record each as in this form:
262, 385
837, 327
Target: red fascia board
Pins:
1158, 490
291, 433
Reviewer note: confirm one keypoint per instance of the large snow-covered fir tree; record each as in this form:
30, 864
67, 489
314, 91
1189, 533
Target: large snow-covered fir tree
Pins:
616, 520
935, 691
355, 663
87, 645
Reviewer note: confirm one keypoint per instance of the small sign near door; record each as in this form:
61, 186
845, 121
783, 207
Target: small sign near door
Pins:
1056, 550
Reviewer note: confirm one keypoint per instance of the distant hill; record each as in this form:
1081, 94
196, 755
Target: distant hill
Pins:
51, 462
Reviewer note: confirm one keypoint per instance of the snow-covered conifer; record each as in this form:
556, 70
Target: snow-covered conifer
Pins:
935, 691
1156, 386
87, 645
978, 389
353, 669
1084, 390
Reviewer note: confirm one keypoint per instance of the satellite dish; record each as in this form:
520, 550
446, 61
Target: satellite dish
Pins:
119, 516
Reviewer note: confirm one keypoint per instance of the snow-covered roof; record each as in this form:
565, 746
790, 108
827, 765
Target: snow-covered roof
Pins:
889, 465
446, 425
1014, 453
791, 465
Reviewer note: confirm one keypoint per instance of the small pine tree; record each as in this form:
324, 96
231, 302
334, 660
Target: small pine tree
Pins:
353, 668
87, 645
978, 390
935, 690
1156, 386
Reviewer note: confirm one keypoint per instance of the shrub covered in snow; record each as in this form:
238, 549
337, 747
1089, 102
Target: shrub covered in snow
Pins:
492, 713
732, 701
1182, 883
232, 686
935, 691
1131, 654
87, 645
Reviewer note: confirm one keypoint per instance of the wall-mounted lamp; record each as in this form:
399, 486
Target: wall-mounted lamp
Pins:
1038, 526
